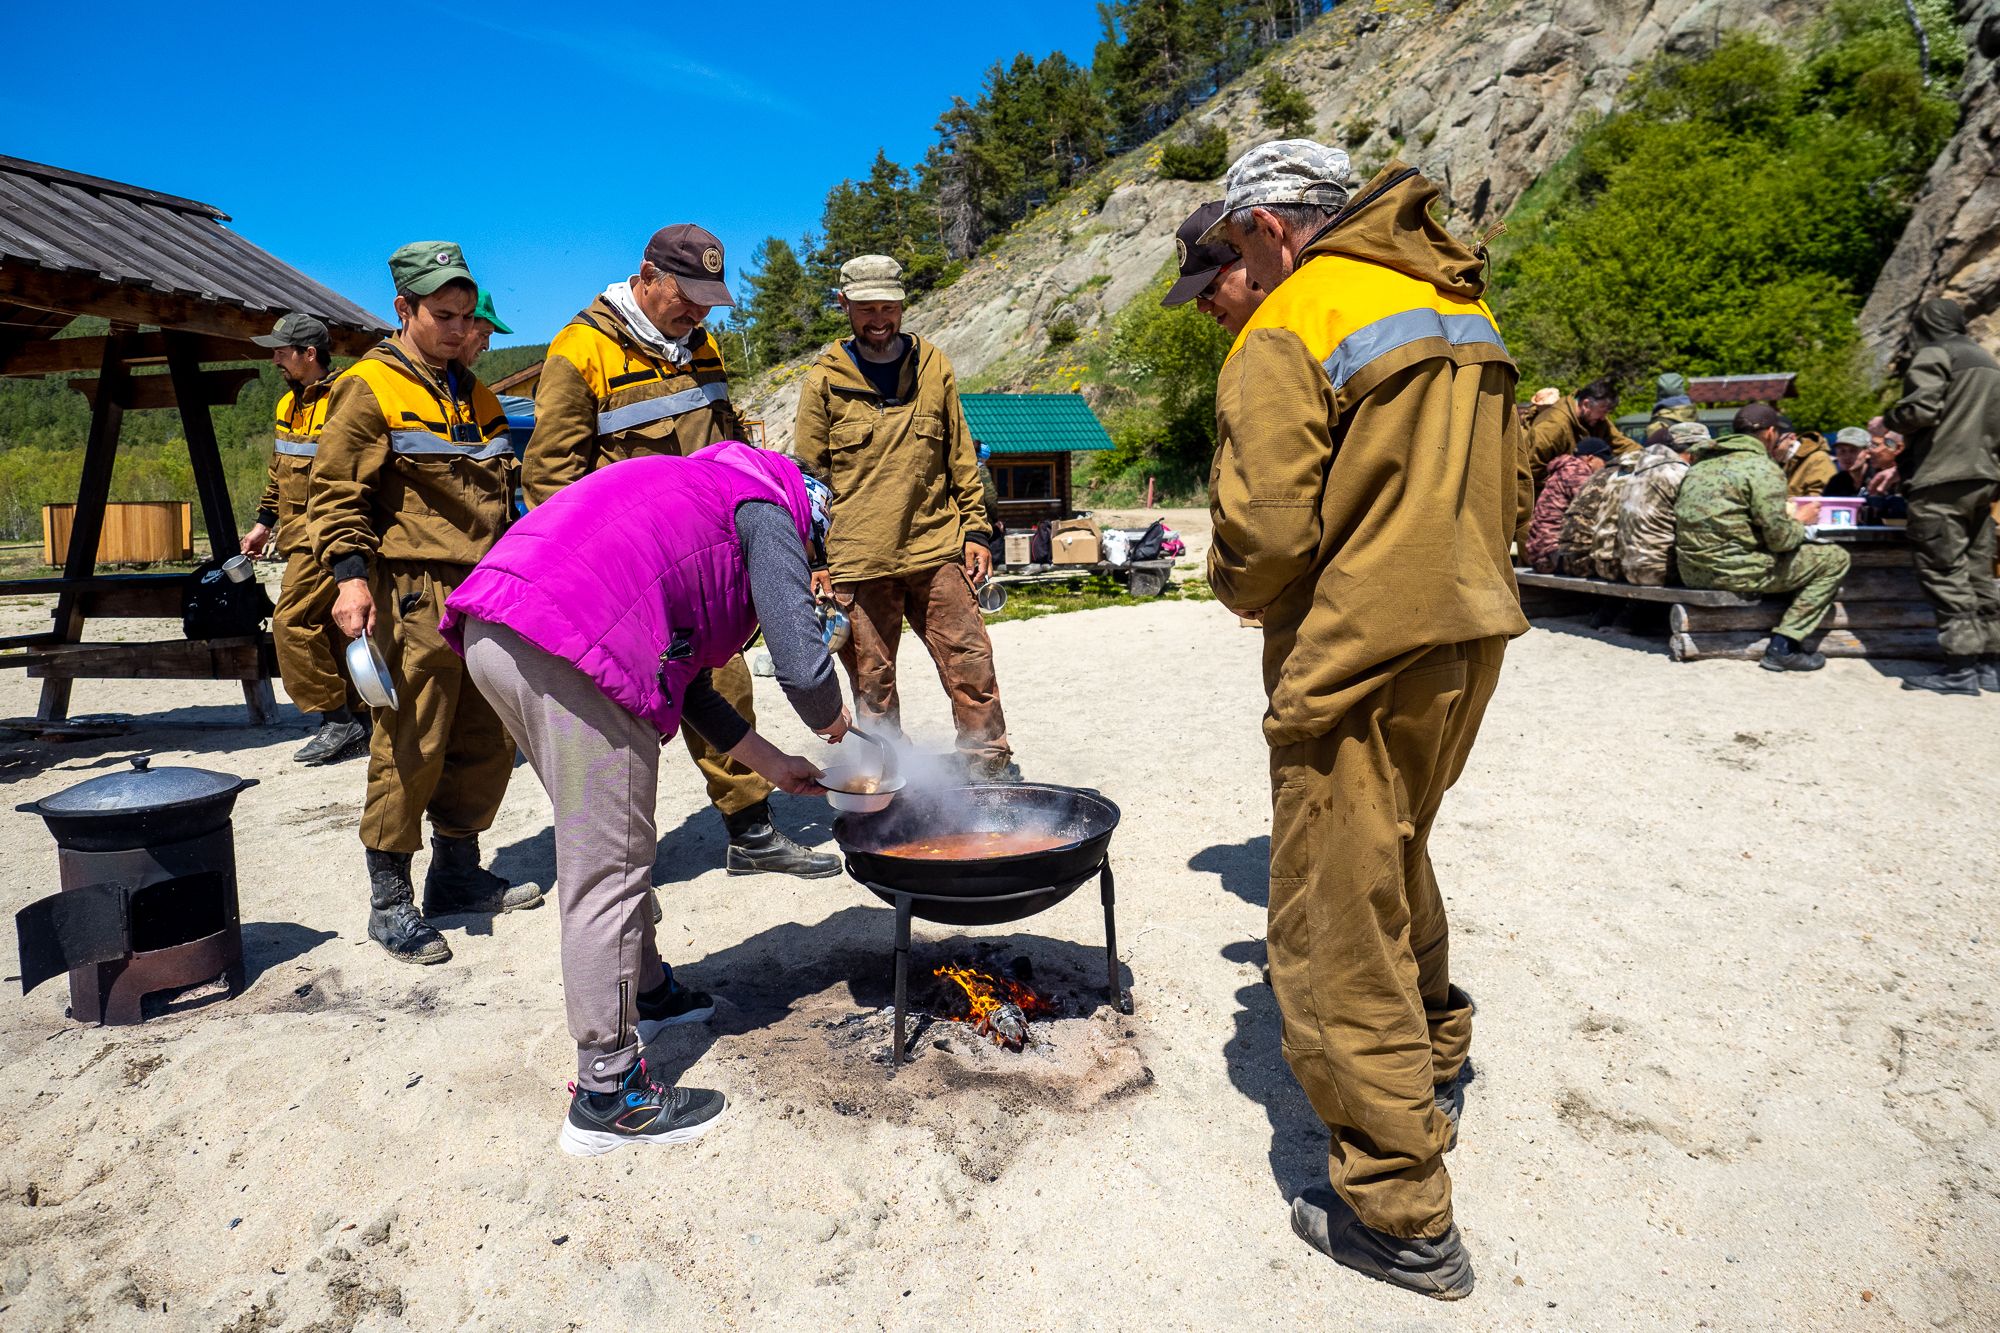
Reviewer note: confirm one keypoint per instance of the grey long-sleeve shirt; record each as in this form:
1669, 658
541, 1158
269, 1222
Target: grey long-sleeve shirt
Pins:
781, 592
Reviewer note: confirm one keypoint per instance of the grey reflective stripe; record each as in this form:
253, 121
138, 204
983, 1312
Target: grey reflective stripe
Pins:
1363, 345
294, 447
659, 409
423, 442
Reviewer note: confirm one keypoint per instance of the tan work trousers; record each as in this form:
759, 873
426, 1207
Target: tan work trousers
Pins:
441, 751
944, 613
1359, 947
732, 786
308, 644
600, 766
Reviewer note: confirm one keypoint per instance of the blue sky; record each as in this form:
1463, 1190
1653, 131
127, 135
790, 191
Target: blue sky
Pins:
549, 140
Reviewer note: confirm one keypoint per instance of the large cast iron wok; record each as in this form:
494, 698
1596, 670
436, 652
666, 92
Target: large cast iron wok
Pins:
989, 890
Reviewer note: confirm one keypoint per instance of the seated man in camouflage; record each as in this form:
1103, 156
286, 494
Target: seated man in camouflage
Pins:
1733, 531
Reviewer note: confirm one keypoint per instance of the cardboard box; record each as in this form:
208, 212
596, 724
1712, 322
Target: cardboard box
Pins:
1019, 547
1079, 546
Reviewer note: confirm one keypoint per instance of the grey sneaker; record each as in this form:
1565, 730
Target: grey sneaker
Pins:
1781, 656
637, 1111
1960, 676
1989, 674
1439, 1268
334, 742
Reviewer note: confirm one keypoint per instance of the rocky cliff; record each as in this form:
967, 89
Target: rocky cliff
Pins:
1484, 95
1951, 247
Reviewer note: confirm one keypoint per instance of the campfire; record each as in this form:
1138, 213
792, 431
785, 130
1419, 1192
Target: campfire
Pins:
998, 1008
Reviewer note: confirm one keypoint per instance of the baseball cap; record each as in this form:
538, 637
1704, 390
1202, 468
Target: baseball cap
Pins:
421, 267
297, 329
694, 257
1687, 434
872, 278
484, 310
1289, 171
1590, 446
1755, 417
1198, 263
1854, 437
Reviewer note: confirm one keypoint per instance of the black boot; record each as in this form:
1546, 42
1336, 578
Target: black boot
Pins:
756, 846
1989, 673
456, 882
393, 922
1450, 1099
1960, 676
1439, 1268
1783, 654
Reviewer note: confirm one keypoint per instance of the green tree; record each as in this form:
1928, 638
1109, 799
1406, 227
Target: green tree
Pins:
1284, 107
1173, 357
788, 312
1201, 155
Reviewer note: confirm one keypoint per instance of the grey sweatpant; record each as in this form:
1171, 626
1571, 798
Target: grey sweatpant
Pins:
600, 766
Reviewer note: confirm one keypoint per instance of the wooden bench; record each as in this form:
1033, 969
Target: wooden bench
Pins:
1880, 612
250, 659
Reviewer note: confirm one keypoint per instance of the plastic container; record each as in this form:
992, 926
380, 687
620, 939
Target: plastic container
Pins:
1841, 511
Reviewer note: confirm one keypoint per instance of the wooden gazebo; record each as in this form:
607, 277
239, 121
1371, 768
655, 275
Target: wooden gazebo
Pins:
179, 290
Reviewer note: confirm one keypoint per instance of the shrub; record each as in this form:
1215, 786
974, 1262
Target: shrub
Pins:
1062, 331
1285, 107
1200, 156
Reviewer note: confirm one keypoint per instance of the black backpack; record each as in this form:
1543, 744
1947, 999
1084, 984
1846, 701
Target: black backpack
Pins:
212, 607
1149, 545
1041, 543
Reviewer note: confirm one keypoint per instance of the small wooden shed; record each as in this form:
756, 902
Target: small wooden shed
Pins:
180, 291
1031, 437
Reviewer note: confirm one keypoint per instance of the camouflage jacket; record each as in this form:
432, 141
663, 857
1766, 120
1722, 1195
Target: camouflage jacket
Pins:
1730, 518
1646, 517
1604, 532
1577, 539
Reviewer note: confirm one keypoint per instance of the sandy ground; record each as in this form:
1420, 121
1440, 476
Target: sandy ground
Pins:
1731, 934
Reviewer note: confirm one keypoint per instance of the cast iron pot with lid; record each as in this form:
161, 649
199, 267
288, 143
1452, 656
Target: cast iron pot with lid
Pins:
139, 808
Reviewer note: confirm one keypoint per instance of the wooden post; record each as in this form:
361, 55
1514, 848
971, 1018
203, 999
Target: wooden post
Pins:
184, 366
93, 492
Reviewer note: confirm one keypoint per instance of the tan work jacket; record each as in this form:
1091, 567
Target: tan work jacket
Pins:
603, 397
904, 471
1370, 472
407, 471
288, 485
1808, 468
1559, 430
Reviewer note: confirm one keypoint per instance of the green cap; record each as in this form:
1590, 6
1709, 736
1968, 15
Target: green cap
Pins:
484, 310
421, 267
297, 329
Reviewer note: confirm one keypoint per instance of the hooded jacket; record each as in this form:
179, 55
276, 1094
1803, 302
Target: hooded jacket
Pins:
1950, 410
1646, 516
603, 396
409, 467
904, 471
1370, 474
1560, 429
1809, 467
1731, 521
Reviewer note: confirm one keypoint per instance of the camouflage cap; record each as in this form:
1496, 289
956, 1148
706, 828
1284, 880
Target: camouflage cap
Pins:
1289, 171
297, 329
872, 278
1670, 384
421, 267
1687, 434
1854, 437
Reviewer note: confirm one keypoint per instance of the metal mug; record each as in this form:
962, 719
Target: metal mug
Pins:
237, 569
835, 629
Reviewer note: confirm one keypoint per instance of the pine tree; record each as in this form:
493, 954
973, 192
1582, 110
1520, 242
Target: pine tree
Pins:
1285, 107
787, 310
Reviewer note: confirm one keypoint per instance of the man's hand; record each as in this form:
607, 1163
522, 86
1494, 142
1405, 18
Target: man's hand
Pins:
255, 540
834, 731
354, 609
978, 562
1808, 512
1883, 482
795, 774
822, 585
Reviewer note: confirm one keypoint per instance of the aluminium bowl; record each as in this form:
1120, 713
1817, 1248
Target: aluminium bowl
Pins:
370, 674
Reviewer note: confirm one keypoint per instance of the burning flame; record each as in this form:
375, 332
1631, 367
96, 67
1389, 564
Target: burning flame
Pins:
997, 1007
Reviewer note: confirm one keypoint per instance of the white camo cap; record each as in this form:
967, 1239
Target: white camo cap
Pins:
1290, 171
872, 278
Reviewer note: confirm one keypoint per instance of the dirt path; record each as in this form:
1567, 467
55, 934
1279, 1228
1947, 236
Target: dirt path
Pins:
1731, 934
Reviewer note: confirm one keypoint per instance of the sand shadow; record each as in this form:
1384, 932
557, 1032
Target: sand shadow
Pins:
200, 730
1258, 1070
759, 982
1244, 868
272, 944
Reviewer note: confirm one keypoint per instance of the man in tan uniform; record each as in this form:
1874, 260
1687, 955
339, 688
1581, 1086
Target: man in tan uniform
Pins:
880, 423
633, 375
302, 629
1559, 429
413, 483
1368, 481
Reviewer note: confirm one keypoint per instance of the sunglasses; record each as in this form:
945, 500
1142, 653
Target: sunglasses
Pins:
1208, 293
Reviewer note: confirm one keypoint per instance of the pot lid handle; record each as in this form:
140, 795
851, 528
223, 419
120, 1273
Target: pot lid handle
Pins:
141, 762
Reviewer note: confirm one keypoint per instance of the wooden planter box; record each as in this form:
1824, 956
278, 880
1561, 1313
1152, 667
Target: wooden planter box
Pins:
136, 532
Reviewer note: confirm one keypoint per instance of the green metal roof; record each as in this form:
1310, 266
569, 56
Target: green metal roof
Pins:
1033, 423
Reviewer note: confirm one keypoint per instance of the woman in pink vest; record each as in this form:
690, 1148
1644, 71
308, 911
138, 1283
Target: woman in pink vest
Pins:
591, 627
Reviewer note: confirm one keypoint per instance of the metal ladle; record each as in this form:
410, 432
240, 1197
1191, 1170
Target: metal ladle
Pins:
888, 755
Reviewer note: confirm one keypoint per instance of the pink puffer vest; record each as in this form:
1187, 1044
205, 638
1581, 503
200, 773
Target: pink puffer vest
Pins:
635, 575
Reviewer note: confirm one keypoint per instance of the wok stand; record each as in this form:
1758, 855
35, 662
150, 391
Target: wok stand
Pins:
906, 898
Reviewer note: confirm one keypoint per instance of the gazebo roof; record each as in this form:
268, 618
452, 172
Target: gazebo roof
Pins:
1033, 423
80, 245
